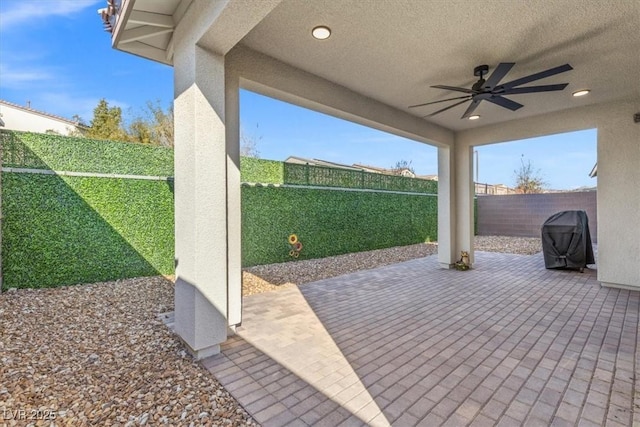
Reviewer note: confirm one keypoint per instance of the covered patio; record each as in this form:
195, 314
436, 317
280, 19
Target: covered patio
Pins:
382, 57
510, 343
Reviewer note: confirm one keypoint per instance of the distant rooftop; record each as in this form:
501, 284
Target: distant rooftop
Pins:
41, 113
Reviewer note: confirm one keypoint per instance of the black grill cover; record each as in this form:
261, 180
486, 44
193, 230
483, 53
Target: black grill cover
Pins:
566, 242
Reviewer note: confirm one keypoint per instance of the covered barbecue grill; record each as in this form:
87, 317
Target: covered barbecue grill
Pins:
566, 242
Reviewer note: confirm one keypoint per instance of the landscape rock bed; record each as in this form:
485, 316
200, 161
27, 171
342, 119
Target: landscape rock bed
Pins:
99, 355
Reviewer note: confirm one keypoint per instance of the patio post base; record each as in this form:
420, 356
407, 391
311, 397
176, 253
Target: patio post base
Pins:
619, 286
203, 353
446, 266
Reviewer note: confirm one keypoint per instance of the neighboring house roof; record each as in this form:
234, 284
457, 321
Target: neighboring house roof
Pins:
429, 177
375, 169
594, 171
40, 113
21, 118
318, 162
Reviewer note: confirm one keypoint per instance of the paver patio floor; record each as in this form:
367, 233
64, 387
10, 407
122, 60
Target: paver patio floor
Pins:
508, 343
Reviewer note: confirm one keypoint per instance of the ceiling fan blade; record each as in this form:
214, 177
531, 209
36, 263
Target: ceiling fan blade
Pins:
498, 74
533, 89
504, 102
442, 100
537, 76
454, 88
472, 108
446, 108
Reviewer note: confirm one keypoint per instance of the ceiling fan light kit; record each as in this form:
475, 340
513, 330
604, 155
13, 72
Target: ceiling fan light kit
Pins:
492, 91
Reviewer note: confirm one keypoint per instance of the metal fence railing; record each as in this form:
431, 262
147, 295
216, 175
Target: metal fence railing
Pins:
298, 174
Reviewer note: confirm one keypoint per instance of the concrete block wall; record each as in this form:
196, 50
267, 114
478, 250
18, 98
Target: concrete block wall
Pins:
523, 214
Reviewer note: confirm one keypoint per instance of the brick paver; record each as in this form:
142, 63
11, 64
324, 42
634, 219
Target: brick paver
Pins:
507, 343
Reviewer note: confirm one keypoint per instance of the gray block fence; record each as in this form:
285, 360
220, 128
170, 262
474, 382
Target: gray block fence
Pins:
523, 214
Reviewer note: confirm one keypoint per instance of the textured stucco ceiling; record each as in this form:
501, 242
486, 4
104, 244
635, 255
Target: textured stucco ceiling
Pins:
393, 50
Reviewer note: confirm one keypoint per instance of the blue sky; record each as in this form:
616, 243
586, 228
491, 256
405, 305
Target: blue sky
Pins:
55, 54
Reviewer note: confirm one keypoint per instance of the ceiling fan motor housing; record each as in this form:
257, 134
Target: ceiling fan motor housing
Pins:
480, 70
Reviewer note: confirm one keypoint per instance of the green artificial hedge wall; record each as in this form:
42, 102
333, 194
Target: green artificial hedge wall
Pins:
63, 153
67, 230
261, 171
64, 230
330, 222
299, 174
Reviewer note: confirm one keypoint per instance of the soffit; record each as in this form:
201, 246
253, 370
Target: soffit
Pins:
145, 27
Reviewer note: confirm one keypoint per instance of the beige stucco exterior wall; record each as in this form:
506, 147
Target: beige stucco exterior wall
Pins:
618, 177
619, 197
28, 121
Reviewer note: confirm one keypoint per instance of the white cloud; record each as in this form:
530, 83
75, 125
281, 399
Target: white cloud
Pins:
22, 12
13, 78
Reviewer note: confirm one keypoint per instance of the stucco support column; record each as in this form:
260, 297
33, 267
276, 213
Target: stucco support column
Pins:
464, 200
206, 174
455, 204
234, 220
446, 207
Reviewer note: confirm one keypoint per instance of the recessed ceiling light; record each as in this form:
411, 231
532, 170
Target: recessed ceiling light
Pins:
321, 32
474, 117
581, 92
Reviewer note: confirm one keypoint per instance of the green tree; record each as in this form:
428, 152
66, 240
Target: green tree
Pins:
140, 131
162, 124
153, 126
107, 123
528, 180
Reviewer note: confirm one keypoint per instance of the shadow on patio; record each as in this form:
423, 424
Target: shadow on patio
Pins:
508, 343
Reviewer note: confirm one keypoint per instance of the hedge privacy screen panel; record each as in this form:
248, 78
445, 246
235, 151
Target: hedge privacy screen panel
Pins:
331, 222
62, 153
273, 172
297, 174
60, 230
64, 230
261, 171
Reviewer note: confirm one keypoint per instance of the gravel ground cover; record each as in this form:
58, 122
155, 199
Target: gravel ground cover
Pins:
98, 354
264, 278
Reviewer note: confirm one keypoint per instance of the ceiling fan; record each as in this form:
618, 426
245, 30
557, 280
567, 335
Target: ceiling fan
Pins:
490, 89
